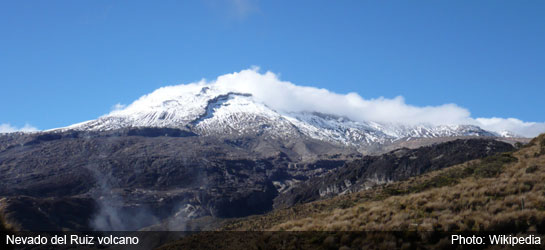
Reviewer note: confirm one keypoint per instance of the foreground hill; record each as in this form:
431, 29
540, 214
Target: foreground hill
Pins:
399, 164
501, 194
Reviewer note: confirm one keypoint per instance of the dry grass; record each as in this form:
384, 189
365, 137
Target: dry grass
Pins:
315, 212
502, 193
487, 195
476, 195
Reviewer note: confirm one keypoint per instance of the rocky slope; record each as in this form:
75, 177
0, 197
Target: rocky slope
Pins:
133, 178
400, 164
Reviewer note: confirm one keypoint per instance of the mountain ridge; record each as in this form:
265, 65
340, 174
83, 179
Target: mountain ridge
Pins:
215, 111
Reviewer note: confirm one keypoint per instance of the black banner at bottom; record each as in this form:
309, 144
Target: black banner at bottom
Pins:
248, 240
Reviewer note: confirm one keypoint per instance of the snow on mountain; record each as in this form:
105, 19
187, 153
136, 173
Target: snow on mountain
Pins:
216, 110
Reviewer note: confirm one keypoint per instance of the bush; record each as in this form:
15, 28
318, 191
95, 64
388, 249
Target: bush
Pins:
346, 204
531, 169
393, 191
437, 181
488, 170
492, 166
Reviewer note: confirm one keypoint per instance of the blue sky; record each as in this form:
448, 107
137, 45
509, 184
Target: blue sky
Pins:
63, 62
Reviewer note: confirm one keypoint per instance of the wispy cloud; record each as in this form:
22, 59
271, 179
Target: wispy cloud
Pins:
118, 106
8, 128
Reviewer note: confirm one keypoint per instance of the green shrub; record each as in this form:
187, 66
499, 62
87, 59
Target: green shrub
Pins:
435, 182
346, 204
488, 167
393, 191
492, 166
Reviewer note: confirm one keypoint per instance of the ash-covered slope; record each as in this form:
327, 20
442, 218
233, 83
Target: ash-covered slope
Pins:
213, 110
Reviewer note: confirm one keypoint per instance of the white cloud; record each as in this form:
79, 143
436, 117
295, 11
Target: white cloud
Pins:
288, 97
527, 129
8, 128
285, 96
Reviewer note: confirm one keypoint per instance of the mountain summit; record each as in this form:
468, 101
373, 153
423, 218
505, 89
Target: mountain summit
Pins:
227, 109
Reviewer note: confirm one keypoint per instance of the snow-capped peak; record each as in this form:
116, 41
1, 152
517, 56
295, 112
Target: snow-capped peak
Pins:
212, 109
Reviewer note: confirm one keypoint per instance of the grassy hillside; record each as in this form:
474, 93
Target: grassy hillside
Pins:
503, 193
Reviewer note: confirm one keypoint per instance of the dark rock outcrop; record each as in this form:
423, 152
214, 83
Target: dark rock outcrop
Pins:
396, 165
140, 176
